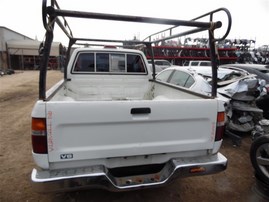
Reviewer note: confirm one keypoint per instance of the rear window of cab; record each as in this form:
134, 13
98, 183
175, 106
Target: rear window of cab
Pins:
101, 62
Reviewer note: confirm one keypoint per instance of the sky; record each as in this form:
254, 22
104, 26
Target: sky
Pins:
248, 17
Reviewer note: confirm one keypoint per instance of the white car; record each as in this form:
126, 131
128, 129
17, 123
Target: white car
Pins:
161, 63
178, 75
198, 63
198, 79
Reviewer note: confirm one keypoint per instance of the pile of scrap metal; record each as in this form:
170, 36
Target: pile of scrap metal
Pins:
246, 100
242, 111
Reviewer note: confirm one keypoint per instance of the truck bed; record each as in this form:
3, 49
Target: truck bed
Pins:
117, 88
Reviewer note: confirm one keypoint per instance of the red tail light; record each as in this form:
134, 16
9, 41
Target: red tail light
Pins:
39, 136
220, 129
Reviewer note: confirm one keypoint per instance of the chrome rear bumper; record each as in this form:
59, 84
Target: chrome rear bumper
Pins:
99, 176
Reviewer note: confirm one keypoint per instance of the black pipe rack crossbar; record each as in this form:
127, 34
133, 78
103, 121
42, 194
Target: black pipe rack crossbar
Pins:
54, 14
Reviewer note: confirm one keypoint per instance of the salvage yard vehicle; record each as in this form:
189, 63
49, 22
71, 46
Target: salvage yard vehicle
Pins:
242, 92
259, 156
10, 71
110, 124
249, 100
161, 64
6, 72
261, 71
180, 76
198, 63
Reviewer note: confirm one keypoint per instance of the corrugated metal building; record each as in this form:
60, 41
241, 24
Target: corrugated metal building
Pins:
20, 52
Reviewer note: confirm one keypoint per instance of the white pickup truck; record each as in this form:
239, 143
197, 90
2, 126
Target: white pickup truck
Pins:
109, 124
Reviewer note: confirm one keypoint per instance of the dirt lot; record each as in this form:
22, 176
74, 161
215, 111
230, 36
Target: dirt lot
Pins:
18, 94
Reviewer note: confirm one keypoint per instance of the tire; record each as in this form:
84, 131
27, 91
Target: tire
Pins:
259, 156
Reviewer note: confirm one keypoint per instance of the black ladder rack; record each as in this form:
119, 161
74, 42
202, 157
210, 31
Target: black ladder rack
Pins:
52, 14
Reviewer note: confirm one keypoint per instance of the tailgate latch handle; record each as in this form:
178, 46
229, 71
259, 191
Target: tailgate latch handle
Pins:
144, 110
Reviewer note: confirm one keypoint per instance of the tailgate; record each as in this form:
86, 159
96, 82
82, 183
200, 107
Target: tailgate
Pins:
91, 130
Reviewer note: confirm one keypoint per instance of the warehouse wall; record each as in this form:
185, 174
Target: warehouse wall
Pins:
20, 52
7, 34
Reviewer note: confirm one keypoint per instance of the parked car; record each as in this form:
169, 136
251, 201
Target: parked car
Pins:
6, 71
261, 71
198, 79
183, 77
198, 63
160, 65
225, 76
10, 71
